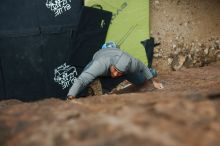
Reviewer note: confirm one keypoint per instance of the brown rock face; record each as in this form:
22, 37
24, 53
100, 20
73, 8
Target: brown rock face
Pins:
189, 28
185, 113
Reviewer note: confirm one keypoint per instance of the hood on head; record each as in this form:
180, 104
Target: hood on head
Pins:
123, 63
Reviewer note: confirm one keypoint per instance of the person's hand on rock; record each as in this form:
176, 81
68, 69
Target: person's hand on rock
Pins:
157, 84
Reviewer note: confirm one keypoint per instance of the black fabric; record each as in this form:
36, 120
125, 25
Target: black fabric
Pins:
22, 66
28, 17
60, 48
108, 83
149, 49
32, 51
18, 17
29, 70
53, 18
33, 42
90, 35
2, 84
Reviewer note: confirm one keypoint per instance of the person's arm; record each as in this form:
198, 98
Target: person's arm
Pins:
87, 76
150, 77
146, 71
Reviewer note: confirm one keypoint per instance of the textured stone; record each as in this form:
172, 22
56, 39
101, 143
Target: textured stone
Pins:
178, 62
179, 28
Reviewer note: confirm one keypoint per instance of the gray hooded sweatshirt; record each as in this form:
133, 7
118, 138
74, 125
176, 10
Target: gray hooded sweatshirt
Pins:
100, 66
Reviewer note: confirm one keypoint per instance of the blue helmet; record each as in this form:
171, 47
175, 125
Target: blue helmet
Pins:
110, 44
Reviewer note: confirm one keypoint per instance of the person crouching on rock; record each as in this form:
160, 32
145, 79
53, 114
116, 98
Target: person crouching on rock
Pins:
113, 62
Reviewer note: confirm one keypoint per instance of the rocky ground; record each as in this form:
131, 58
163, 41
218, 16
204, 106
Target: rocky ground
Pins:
188, 31
185, 113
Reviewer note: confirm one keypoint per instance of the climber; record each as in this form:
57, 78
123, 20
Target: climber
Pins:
113, 62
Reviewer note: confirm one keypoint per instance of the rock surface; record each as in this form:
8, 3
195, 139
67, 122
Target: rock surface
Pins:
185, 113
188, 29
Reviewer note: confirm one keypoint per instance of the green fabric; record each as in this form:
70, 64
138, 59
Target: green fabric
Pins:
129, 25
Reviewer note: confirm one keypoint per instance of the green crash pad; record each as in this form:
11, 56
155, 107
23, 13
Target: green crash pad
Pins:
129, 25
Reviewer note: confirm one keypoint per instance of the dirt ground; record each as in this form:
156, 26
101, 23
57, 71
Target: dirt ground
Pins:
185, 113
